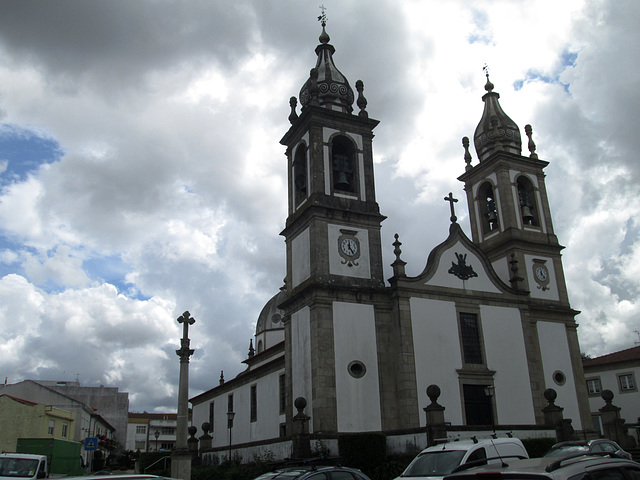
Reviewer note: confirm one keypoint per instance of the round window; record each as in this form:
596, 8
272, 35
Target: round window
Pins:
559, 377
357, 369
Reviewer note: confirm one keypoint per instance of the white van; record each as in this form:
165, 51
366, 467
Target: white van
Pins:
440, 460
23, 466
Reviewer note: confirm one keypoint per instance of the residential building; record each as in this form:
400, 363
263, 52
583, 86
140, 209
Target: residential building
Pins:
87, 422
618, 372
21, 418
150, 432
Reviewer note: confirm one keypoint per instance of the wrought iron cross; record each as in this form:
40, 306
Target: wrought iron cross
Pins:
451, 201
186, 319
323, 18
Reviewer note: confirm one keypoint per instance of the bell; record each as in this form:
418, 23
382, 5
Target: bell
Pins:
527, 216
342, 183
493, 219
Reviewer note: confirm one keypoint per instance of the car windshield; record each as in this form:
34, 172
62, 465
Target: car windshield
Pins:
434, 464
18, 467
567, 450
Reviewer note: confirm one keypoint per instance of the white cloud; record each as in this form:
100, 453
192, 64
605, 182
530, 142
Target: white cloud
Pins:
171, 191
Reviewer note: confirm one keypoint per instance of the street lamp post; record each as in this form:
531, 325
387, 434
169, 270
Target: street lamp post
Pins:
157, 434
230, 416
490, 391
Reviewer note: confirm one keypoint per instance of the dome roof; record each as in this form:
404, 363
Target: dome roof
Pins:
496, 131
327, 86
271, 316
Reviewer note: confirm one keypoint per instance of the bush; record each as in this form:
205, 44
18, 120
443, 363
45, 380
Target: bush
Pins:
536, 447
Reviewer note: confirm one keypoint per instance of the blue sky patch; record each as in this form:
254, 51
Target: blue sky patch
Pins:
24, 151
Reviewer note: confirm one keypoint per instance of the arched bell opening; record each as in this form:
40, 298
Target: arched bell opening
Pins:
300, 174
527, 202
343, 160
488, 208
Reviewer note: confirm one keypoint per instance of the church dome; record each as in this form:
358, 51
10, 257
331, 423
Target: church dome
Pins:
271, 316
496, 131
327, 86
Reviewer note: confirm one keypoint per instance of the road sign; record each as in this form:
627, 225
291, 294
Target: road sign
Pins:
91, 443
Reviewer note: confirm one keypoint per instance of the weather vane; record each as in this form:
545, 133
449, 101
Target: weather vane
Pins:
323, 18
485, 69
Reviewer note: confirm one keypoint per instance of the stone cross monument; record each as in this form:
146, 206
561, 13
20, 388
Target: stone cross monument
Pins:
180, 457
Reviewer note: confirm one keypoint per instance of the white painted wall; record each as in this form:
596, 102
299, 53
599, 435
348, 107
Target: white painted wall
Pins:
505, 351
554, 348
443, 278
435, 324
300, 358
358, 399
300, 252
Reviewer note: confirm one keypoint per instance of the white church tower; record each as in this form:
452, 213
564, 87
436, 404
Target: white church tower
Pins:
334, 254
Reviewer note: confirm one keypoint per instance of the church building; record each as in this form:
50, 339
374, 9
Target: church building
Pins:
488, 320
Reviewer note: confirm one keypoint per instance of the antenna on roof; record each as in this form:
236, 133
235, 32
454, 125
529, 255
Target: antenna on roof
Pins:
637, 342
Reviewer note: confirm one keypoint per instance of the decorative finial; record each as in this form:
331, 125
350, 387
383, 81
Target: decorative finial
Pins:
324, 37
293, 116
488, 86
467, 155
362, 102
532, 146
515, 278
252, 351
313, 88
221, 377
398, 264
451, 201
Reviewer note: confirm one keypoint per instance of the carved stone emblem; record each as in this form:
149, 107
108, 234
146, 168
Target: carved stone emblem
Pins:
461, 269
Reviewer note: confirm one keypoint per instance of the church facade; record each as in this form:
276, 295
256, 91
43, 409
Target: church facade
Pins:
488, 320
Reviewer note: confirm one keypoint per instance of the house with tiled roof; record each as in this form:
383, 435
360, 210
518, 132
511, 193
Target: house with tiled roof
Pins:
618, 372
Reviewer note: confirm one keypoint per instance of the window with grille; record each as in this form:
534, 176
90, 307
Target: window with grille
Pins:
254, 403
211, 416
470, 334
283, 393
141, 429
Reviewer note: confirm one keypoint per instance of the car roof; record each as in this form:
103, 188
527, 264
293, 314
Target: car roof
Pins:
125, 476
543, 465
304, 469
466, 444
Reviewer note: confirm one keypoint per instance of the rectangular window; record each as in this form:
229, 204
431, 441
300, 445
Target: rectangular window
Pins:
470, 334
477, 405
230, 403
254, 403
211, 416
168, 431
52, 425
626, 382
65, 426
593, 386
283, 394
141, 429
141, 445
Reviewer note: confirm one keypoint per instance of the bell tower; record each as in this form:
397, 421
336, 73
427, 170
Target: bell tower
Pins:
333, 229
509, 207
334, 254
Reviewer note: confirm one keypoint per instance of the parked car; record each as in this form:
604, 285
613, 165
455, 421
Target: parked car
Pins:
440, 460
592, 466
315, 473
566, 449
23, 466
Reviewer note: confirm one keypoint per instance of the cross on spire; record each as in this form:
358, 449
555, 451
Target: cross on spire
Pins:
451, 201
323, 18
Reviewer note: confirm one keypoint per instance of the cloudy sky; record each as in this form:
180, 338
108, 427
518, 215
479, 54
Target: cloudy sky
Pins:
141, 173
